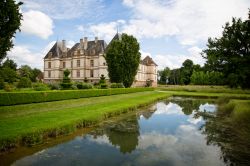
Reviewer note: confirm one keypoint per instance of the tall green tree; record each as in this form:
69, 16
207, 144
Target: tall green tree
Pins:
230, 54
164, 75
10, 21
123, 58
186, 71
9, 63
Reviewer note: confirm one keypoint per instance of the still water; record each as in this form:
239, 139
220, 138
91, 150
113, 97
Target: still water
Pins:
167, 133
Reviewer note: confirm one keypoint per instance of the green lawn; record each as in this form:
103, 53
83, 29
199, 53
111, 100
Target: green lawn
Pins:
30, 123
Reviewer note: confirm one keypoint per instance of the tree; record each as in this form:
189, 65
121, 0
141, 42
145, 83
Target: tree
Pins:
26, 71
10, 64
230, 54
123, 58
10, 21
164, 75
186, 71
24, 82
35, 73
8, 75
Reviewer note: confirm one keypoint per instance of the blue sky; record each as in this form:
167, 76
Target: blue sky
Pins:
170, 31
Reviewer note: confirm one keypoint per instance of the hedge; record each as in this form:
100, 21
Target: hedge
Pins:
13, 98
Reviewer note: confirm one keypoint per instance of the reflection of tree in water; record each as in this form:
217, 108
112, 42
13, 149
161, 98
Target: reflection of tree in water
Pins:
233, 138
188, 105
123, 134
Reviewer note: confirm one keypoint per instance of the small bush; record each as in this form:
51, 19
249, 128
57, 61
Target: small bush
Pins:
103, 86
24, 82
54, 86
117, 85
8, 87
84, 86
102, 80
66, 85
40, 87
148, 83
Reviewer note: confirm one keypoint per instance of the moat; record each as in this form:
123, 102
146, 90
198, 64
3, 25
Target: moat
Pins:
169, 132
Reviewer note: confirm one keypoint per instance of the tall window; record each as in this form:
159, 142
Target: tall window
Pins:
64, 64
49, 74
91, 73
92, 63
78, 73
78, 63
49, 65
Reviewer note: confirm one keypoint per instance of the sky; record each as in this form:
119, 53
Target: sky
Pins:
169, 31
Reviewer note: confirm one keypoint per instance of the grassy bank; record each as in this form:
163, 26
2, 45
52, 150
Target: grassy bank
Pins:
230, 130
202, 89
32, 123
13, 98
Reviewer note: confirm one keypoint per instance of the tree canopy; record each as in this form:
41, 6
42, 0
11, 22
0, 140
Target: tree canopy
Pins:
230, 54
10, 21
123, 58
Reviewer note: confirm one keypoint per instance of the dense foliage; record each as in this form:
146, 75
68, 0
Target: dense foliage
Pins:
10, 21
123, 58
230, 54
24, 82
207, 78
37, 97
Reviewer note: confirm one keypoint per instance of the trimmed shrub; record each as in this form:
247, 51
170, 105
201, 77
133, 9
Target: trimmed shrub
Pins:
148, 83
54, 86
40, 87
103, 86
14, 98
84, 86
117, 85
24, 82
102, 80
8, 87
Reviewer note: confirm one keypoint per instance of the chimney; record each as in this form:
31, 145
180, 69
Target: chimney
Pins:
63, 45
85, 43
81, 43
96, 39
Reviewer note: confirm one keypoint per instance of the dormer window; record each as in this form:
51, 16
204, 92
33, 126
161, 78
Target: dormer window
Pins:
50, 55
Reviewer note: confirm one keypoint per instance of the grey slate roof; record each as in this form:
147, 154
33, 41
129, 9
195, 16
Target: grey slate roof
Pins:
55, 50
98, 47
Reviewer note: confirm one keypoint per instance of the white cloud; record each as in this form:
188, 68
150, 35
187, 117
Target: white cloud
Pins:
70, 43
175, 61
168, 109
37, 23
106, 30
190, 21
80, 28
23, 56
65, 9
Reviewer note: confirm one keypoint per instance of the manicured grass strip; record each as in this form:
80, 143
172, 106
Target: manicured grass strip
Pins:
13, 98
202, 88
34, 125
207, 95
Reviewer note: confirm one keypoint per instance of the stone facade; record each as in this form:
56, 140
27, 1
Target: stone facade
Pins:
86, 60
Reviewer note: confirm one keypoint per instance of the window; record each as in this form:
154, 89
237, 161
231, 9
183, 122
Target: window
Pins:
49, 74
91, 73
78, 73
64, 64
92, 63
71, 63
49, 65
78, 63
